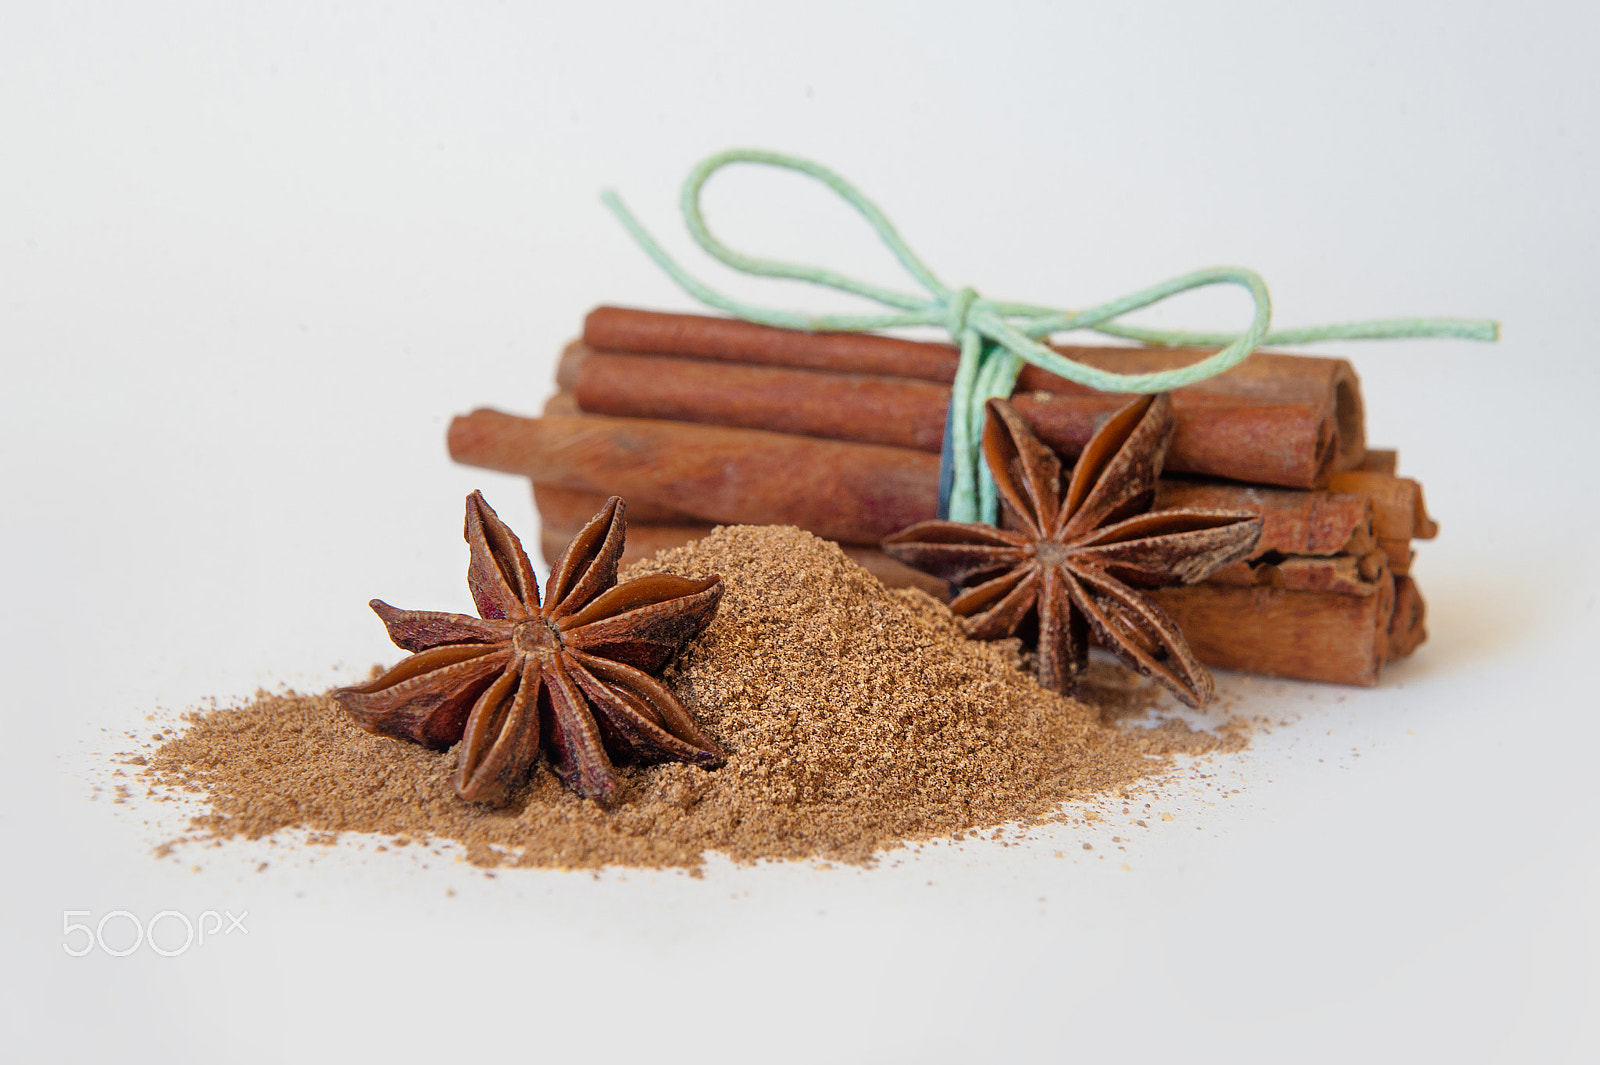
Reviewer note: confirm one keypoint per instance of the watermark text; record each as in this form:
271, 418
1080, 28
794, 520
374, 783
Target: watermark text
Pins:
169, 933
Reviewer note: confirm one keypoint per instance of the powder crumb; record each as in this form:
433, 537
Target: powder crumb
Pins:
855, 719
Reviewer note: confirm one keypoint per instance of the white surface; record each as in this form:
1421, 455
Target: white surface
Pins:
252, 260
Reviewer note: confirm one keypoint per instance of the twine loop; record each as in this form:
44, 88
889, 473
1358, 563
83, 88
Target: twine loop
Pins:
996, 338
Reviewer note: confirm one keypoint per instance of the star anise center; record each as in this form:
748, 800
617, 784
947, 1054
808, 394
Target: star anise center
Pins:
537, 638
1051, 553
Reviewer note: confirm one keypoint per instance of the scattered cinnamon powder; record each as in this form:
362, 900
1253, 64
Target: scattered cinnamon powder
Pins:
855, 718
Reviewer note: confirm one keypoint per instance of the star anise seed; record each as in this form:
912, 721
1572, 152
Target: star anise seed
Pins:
1072, 556
570, 675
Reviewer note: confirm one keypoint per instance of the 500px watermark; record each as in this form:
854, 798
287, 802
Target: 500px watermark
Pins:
169, 933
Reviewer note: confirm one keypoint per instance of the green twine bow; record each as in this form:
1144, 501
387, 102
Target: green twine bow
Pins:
996, 338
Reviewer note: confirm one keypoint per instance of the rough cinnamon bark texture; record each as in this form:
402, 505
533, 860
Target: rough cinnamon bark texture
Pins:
1329, 386
1237, 437
730, 340
1406, 629
1277, 632
730, 476
1345, 574
1292, 523
1398, 512
1289, 444
864, 408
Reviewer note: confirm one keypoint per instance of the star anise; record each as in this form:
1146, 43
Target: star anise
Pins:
569, 675
1071, 557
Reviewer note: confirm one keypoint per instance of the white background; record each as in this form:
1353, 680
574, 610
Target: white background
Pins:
253, 257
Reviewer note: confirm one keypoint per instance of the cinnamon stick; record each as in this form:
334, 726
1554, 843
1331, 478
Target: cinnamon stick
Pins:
1393, 506
677, 469
1292, 523
1276, 632
857, 493
1240, 438
1330, 385
1398, 512
864, 408
730, 340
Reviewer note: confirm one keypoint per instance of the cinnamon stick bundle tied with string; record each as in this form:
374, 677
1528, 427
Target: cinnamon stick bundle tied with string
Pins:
701, 421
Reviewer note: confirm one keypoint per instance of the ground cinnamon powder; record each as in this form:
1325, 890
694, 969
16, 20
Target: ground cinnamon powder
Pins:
854, 717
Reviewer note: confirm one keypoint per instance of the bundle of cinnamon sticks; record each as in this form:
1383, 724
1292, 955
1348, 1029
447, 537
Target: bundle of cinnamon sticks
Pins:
701, 421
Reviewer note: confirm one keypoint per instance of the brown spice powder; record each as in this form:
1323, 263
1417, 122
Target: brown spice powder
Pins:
855, 718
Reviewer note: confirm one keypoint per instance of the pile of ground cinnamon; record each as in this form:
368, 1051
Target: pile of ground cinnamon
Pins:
854, 718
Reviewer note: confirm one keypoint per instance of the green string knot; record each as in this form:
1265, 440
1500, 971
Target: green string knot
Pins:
995, 338
955, 317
